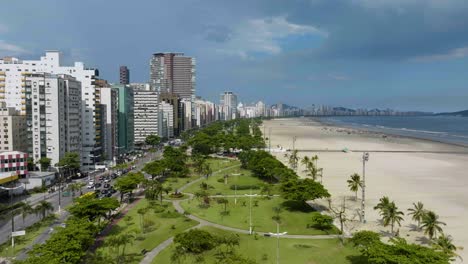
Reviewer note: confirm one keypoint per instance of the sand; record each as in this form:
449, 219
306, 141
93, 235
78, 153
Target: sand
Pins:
439, 180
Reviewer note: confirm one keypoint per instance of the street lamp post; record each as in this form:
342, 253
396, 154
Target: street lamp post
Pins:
365, 158
250, 210
277, 234
269, 139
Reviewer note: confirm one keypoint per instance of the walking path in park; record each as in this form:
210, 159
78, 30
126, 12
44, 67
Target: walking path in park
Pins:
176, 203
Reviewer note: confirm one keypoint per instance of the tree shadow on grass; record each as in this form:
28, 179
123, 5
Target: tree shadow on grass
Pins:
359, 259
297, 206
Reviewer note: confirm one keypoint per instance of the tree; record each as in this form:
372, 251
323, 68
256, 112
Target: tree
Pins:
152, 140
199, 162
293, 159
340, 213
45, 163
152, 189
26, 210
155, 168
303, 190
225, 202
392, 216
321, 221
431, 224
116, 241
363, 239
70, 160
193, 242
354, 183
142, 212
383, 203
417, 212
31, 164
75, 187
92, 208
445, 244
128, 183
42, 208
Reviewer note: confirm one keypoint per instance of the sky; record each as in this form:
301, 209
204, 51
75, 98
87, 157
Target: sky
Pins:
399, 54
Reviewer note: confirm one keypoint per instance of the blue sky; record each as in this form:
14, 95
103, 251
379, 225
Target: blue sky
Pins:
401, 54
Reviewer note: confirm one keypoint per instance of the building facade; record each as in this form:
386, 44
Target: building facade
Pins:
12, 72
124, 75
13, 166
228, 105
12, 129
110, 101
146, 114
166, 120
126, 118
53, 113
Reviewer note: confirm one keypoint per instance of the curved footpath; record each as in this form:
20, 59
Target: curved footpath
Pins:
176, 203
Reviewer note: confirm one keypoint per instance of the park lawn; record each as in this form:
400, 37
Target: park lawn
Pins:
292, 221
215, 164
164, 230
22, 242
263, 250
236, 176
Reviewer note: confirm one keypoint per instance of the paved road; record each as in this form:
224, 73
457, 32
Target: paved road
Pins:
176, 203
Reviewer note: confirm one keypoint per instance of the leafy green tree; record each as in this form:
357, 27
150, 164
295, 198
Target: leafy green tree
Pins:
363, 239
354, 183
194, 241
155, 168
75, 187
152, 140
223, 201
431, 224
321, 221
70, 160
417, 212
303, 190
42, 208
128, 183
45, 163
392, 216
92, 208
31, 164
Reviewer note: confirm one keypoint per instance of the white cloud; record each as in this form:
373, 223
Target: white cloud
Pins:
7, 49
457, 53
264, 35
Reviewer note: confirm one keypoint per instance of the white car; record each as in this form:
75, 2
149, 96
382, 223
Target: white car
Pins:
90, 185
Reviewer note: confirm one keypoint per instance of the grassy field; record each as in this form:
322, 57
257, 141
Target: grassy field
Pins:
167, 224
263, 250
293, 220
22, 242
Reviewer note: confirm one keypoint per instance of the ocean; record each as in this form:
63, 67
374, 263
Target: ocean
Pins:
447, 129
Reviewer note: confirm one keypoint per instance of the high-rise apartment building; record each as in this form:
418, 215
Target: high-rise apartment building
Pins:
173, 73
124, 75
53, 112
110, 102
12, 129
126, 118
146, 113
166, 120
12, 72
228, 104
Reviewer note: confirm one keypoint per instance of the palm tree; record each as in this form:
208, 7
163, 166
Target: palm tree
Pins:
384, 202
125, 239
26, 209
354, 183
75, 187
305, 161
293, 159
43, 207
417, 212
392, 216
445, 244
431, 224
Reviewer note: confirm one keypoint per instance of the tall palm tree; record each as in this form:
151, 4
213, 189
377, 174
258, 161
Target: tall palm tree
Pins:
305, 161
417, 212
431, 224
43, 207
384, 202
445, 244
75, 187
293, 159
354, 183
26, 210
392, 216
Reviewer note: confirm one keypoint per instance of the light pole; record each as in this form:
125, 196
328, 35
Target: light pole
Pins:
269, 139
365, 158
250, 210
277, 234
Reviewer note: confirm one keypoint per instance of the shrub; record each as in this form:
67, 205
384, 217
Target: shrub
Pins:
322, 222
170, 214
244, 187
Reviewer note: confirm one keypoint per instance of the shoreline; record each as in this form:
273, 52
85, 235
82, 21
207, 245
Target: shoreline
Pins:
405, 169
386, 133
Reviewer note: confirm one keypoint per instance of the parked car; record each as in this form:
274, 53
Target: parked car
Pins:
107, 185
108, 194
106, 180
104, 191
98, 185
112, 190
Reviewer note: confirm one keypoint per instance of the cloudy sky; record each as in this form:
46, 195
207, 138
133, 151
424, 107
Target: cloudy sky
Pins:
402, 54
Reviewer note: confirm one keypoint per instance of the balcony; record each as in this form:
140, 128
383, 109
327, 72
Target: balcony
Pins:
2, 90
2, 73
2, 79
2, 84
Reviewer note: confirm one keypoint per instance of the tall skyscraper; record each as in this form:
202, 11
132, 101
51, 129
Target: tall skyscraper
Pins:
228, 103
13, 134
53, 107
126, 118
124, 75
146, 113
12, 72
173, 73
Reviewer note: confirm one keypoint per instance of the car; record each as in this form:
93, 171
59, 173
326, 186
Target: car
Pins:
108, 194
103, 191
112, 190
98, 185
90, 186
107, 185
106, 180
114, 175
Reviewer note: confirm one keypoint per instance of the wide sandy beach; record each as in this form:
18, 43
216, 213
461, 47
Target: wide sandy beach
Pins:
439, 180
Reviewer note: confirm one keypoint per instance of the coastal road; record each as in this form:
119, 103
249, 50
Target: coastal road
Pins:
385, 151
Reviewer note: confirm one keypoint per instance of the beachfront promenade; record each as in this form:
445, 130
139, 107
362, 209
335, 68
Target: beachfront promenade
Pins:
384, 151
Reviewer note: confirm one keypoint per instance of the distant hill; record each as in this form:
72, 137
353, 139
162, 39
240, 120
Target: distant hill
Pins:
459, 113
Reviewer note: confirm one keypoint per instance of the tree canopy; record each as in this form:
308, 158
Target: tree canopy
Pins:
303, 190
70, 160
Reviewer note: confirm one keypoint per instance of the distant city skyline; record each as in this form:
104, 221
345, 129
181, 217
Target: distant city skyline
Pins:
404, 55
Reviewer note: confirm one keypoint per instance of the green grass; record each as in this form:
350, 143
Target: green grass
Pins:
236, 176
165, 228
22, 242
294, 221
297, 251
